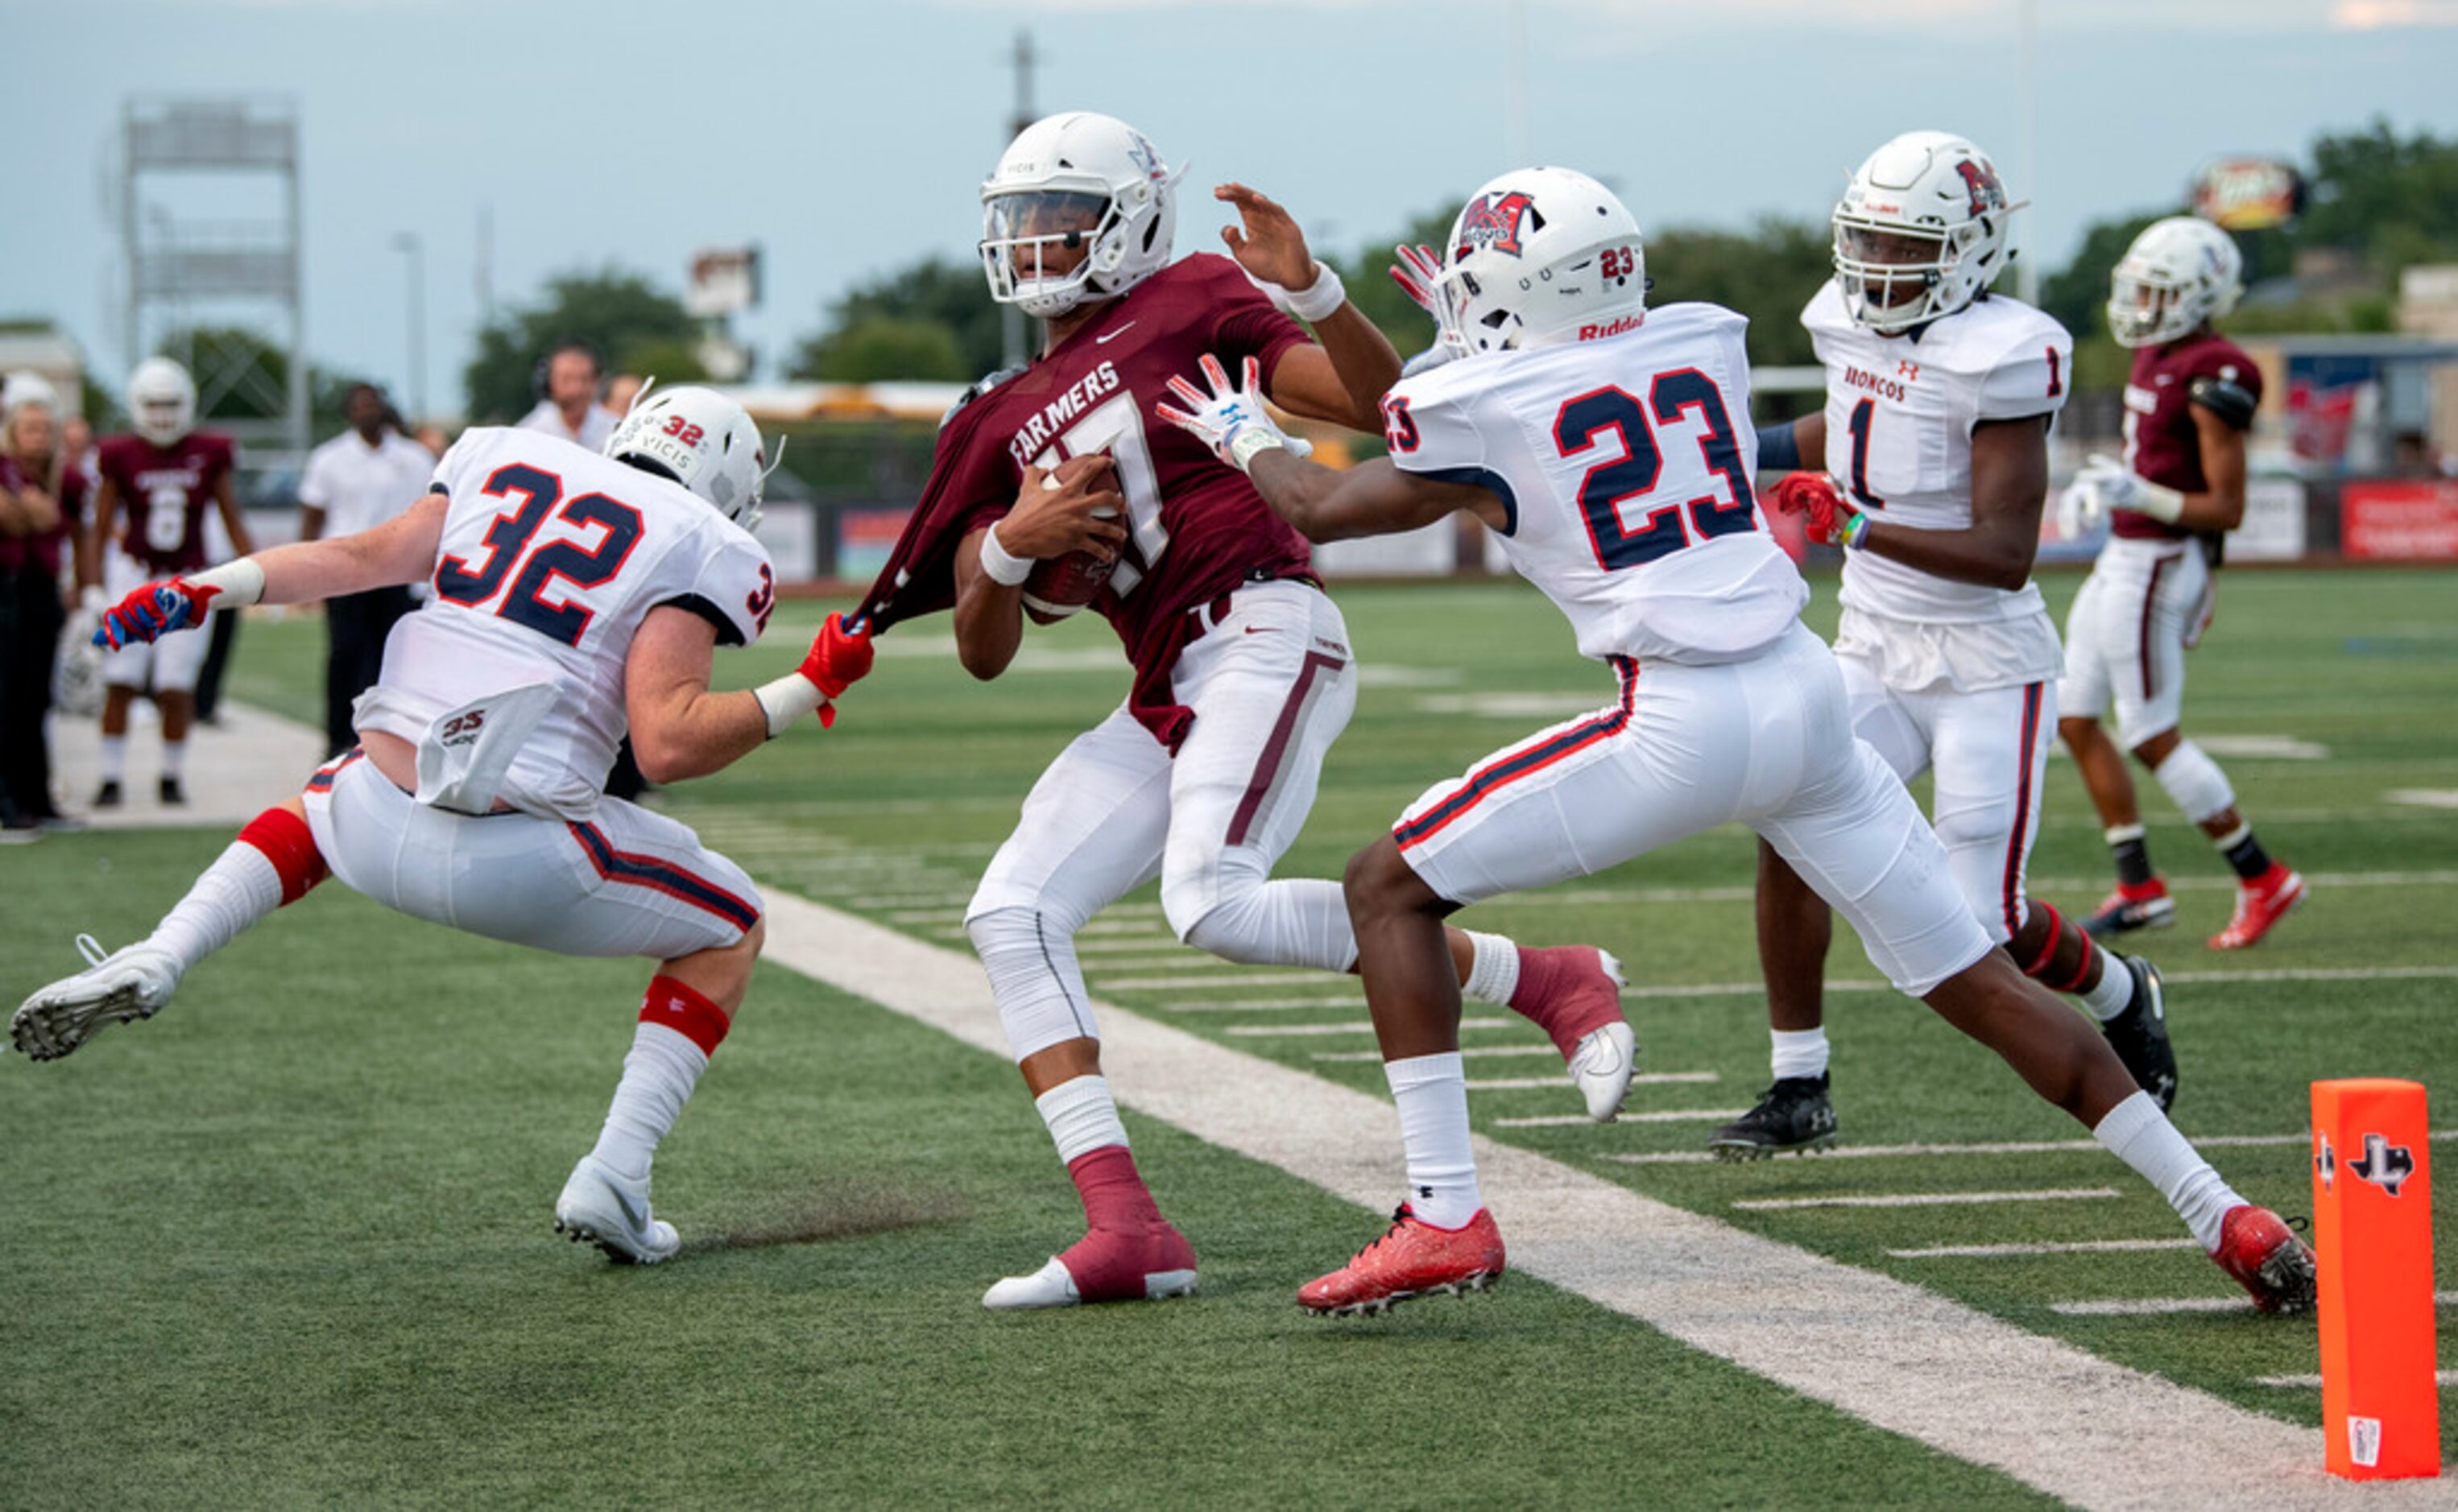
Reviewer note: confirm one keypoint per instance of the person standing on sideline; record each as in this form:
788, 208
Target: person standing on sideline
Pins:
47, 495
569, 405
354, 483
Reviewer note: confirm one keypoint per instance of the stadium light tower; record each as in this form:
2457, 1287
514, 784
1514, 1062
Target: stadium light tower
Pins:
209, 220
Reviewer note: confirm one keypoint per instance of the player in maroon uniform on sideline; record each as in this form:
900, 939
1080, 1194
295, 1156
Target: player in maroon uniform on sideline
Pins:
149, 522
1243, 671
2172, 500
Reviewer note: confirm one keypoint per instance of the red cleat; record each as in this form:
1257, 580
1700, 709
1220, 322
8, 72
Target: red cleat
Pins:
2144, 905
2260, 905
1107, 1265
1413, 1258
2266, 1259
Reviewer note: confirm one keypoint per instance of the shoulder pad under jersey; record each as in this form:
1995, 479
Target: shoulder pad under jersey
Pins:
977, 389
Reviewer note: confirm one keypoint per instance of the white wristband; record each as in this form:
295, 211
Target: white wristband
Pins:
1003, 567
785, 700
1317, 301
2158, 501
241, 583
1250, 440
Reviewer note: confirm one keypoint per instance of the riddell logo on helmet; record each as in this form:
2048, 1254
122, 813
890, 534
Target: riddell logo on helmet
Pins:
1613, 327
1492, 221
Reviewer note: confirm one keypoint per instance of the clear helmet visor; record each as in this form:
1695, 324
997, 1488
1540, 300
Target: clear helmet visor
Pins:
2140, 311
1888, 267
1039, 243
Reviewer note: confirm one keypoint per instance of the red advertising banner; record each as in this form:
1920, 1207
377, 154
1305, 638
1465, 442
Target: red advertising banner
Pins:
2388, 520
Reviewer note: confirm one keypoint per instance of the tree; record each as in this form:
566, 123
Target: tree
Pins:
879, 320
620, 314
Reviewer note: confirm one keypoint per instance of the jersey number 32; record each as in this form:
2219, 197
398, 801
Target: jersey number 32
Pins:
508, 545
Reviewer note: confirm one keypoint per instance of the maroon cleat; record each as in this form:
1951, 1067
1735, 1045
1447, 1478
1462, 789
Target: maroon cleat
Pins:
2256, 1248
1413, 1258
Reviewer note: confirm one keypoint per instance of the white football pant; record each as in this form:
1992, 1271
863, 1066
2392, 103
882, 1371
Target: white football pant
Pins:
2145, 604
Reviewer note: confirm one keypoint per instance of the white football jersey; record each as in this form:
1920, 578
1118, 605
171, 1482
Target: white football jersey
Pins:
551, 557
1626, 464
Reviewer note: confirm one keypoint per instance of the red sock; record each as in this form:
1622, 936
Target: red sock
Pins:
284, 840
1115, 1194
1549, 996
687, 1011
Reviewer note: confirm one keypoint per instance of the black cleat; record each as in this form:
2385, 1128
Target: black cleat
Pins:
107, 795
1794, 1114
2139, 1035
169, 792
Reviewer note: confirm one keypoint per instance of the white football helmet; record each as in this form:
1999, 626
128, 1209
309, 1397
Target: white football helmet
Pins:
26, 386
162, 401
702, 440
1537, 256
2179, 273
1076, 180
1921, 232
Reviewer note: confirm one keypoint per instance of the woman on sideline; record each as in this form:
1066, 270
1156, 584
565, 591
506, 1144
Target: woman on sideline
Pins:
42, 501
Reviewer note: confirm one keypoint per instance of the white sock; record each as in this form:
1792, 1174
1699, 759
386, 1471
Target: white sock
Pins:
237, 890
659, 1076
175, 758
2115, 991
1081, 1116
1493, 969
2119, 834
1433, 1094
2137, 1133
1799, 1052
114, 758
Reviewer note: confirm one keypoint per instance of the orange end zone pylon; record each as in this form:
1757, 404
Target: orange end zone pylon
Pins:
2372, 1236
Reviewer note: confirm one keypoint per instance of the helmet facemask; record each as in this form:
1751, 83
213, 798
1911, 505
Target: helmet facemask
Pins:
1040, 247
2146, 311
1895, 277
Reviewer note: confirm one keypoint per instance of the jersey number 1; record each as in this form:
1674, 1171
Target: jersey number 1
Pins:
508, 541
1602, 491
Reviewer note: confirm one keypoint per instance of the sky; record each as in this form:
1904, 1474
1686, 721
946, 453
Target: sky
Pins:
850, 139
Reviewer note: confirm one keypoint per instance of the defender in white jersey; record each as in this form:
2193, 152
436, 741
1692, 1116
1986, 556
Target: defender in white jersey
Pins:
576, 597
1598, 440
1935, 448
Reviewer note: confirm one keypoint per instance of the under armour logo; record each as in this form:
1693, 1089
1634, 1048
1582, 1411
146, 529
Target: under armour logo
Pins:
2384, 1164
1425, 1193
1909, 372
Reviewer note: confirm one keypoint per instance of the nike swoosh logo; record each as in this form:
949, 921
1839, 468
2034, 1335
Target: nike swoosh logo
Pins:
1260, 629
1104, 341
637, 1220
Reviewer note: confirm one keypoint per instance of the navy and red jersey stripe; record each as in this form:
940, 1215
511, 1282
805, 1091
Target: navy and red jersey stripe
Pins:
1523, 763
661, 876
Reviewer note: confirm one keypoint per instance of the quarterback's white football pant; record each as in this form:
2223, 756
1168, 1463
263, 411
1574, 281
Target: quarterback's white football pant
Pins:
1766, 742
1989, 751
1272, 684
624, 882
172, 662
2145, 604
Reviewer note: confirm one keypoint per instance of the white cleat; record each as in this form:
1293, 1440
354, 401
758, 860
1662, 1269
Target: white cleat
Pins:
1050, 1286
114, 988
1602, 1069
601, 1208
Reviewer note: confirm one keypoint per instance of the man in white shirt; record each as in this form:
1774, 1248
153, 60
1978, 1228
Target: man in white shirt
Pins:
571, 408
354, 483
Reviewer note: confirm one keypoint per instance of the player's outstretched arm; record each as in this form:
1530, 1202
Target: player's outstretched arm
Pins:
1076, 509
1343, 379
681, 730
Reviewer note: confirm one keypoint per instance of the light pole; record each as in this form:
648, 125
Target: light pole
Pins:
409, 241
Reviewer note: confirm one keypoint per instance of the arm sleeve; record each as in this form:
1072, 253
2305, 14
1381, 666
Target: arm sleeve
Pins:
2031, 379
734, 588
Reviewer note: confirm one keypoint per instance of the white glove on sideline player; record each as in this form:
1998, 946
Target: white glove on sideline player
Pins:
2106, 484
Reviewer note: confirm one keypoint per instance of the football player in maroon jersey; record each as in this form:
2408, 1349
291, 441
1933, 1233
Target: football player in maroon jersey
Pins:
149, 523
2171, 501
1242, 669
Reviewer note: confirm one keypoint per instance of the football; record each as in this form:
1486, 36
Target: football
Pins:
1061, 585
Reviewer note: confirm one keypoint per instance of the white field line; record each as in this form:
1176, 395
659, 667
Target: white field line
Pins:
1249, 979
2423, 797
1757, 989
2445, 1380
1277, 1031
1662, 1115
2021, 1146
1185, 959
1270, 1004
1143, 938
1926, 1199
1515, 1084
2160, 1306
1891, 1353
1473, 1052
1995, 1251
2038, 886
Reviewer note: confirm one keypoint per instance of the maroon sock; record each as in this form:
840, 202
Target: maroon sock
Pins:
1114, 1192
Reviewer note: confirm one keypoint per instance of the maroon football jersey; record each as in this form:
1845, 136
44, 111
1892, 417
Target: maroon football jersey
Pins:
2161, 443
164, 494
1197, 527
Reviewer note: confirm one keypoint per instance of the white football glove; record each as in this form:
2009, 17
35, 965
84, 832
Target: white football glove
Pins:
1231, 419
2078, 510
2112, 485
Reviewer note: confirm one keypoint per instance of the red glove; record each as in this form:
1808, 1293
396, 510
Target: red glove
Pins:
153, 610
1831, 518
838, 658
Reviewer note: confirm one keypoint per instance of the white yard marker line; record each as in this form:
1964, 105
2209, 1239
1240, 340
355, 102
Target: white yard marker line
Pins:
2021, 1146
2264, 746
1994, 1252
2039, 886
1087, 944
1663, 1115
2445, 1380
1270, 1004
1926, 1199
2423, 797
1275, 1031
1530, 1083
1888, 1352
1473, 1052
1249, 979
2160, 1306
1186, 959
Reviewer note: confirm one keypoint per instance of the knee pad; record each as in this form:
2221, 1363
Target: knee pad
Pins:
1301, 922
1031, 961
2194, 782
